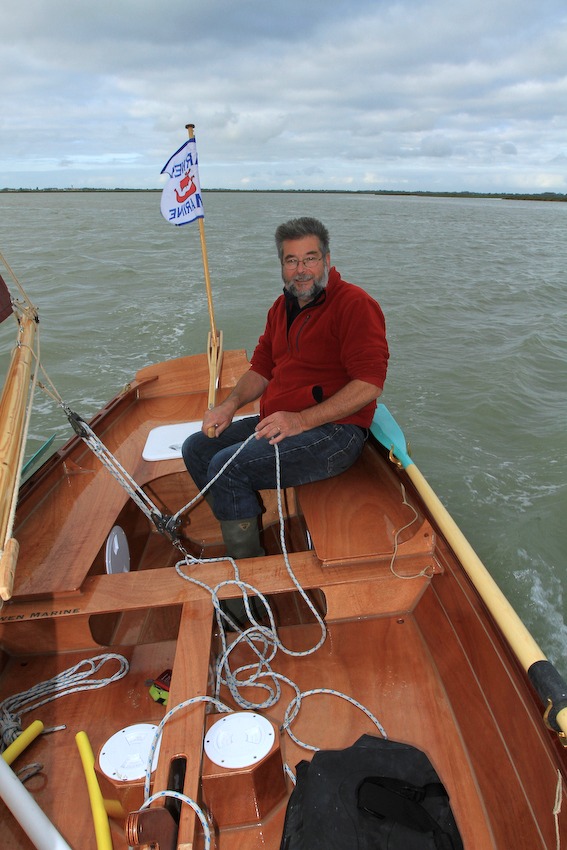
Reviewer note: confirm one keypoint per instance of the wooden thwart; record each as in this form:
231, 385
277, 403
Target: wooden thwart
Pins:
355, 516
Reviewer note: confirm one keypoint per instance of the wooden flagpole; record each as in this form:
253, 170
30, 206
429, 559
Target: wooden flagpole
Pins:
215, 340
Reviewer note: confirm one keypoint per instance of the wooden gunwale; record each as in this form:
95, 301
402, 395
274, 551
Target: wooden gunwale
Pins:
487, 690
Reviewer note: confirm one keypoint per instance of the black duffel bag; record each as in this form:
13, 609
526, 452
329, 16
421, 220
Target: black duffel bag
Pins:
376, 795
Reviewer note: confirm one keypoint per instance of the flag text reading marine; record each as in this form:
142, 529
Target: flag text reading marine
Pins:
181, 200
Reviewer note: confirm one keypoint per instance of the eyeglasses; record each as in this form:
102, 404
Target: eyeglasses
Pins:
308, 262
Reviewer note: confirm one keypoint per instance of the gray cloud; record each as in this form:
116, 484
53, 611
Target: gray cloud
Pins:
364, 94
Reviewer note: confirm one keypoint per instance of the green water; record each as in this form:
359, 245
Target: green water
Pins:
474, 293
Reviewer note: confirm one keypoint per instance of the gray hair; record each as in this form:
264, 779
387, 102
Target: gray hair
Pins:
297, 228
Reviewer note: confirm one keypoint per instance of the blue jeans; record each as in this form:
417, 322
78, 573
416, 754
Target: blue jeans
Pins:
311, 456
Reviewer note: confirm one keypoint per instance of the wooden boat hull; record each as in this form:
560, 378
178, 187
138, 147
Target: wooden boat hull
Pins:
408, 638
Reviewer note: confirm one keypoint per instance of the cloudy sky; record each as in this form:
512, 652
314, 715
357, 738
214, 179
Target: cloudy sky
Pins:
450, 95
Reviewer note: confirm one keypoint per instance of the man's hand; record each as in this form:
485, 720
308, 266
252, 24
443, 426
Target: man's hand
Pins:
346, 401
277, 426
218, 418
248, 388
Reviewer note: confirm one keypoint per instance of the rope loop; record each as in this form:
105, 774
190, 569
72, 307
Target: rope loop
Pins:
262, 639
81, 677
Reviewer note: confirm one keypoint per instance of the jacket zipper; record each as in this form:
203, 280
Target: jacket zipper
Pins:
299, 331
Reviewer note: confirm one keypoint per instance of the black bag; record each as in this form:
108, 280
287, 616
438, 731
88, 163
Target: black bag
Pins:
376, 795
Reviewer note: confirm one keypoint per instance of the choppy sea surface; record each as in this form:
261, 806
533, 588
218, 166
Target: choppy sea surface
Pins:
475, 297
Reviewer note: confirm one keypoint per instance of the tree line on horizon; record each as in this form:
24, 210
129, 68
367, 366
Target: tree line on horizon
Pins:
524, 196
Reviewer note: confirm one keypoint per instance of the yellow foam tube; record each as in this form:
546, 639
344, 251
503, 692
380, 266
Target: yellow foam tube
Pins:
100, 817
114, 809
23, 740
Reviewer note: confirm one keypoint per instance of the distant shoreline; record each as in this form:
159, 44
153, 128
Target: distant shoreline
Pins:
504, 196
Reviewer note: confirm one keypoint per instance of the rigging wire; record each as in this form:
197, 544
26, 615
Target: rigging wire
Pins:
28, 303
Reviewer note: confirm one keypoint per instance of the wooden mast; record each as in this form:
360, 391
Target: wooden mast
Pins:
13, 406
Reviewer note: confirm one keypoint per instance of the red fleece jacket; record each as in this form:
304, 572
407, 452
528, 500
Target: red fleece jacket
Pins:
336, 340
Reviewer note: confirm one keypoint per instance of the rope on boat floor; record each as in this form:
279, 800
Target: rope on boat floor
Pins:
264, 642
81, 677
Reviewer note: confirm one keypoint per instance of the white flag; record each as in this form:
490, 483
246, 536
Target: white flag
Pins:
181, 200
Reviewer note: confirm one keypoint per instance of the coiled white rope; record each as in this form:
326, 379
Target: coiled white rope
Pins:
263, 640
258, 634
293, 709
82, 677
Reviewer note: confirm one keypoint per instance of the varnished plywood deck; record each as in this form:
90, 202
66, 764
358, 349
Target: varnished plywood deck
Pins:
60, 789
383, 663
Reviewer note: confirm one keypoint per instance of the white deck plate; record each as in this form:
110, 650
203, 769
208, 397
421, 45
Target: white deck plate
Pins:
165, 441
239, 740
126, 754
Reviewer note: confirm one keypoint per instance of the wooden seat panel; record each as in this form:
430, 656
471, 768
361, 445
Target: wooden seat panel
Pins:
362, 514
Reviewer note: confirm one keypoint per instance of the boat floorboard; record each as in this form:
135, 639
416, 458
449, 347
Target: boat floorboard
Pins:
383, 663
60, 788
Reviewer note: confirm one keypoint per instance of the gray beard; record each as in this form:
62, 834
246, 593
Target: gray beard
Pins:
318, 285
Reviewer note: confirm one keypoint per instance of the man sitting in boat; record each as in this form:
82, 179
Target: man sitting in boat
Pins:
317, 369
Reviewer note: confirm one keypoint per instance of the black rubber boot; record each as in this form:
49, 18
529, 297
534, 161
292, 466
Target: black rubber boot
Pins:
242, 538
